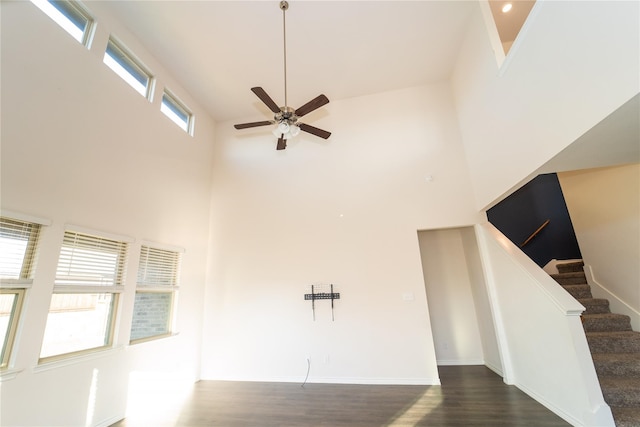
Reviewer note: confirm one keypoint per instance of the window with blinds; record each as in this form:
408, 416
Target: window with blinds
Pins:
158, 267
18, 241
90, 261
89, 280
157, 286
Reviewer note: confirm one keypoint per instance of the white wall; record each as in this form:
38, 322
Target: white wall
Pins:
454, 321
572, 65
80, 147
484, 314
604, 205
343, 211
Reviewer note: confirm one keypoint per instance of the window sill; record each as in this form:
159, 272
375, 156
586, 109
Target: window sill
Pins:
16, 283
154, 338
72, 360
9, 374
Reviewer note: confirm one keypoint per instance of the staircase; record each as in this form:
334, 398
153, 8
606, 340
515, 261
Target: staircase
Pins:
615, 347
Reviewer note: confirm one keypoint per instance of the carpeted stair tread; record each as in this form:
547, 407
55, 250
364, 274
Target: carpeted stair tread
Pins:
617, 364
614, 342
570, 267
619, 391
570, 278
595, 305
626, 417
606, 322
578, 291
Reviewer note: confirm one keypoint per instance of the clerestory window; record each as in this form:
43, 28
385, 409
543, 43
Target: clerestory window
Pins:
177, 112
131, 70
71, 16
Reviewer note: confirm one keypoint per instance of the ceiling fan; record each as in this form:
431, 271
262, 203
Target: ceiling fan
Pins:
286, 118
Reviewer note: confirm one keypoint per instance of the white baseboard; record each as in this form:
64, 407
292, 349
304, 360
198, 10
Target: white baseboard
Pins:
616, 304
337, 380
459, 362
600, 416
376, 381
496, 369
109, 421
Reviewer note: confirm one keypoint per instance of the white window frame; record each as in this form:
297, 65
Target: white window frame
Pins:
12, 328
168, 261
59, 12
28, 227
172, 107
126, 65
81, 272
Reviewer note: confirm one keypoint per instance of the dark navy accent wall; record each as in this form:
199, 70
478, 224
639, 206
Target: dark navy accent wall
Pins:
528, 208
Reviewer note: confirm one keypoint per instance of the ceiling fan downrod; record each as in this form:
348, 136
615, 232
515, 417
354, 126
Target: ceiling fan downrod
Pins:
284, 5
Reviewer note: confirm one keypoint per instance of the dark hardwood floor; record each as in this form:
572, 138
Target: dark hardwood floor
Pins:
469, 396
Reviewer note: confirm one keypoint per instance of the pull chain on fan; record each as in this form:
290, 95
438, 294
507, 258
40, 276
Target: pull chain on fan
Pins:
286, 118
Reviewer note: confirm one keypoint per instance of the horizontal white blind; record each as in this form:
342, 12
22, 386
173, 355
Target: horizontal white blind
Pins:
17, 248
158, 267
90, 261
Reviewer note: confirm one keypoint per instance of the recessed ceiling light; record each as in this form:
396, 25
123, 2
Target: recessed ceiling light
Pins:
506, 8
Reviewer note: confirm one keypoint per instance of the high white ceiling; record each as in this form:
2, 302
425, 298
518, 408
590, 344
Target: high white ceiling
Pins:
218, 50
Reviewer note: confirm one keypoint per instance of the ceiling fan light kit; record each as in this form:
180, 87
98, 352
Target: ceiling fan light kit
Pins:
286, 118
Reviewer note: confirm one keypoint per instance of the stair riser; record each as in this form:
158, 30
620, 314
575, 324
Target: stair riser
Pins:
626, 370
571, 280
601, 344
620, 397
595, 305
596, 309
606, 325
570, 268
579, 291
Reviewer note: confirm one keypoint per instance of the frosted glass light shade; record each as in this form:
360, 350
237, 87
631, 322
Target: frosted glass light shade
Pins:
286, 131
283, 127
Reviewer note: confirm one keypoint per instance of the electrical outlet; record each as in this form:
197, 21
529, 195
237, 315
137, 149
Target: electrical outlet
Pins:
307, 358
326, 359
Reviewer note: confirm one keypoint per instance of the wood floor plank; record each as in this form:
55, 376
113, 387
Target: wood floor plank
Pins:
469, 396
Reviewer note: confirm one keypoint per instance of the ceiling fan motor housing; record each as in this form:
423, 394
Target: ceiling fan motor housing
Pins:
287, 114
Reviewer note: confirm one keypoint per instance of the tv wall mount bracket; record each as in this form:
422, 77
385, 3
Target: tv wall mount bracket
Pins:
314, 295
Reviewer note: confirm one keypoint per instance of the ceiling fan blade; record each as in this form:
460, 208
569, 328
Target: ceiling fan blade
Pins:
314, 130
315, 103
253, 124
260, 93
282, 143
